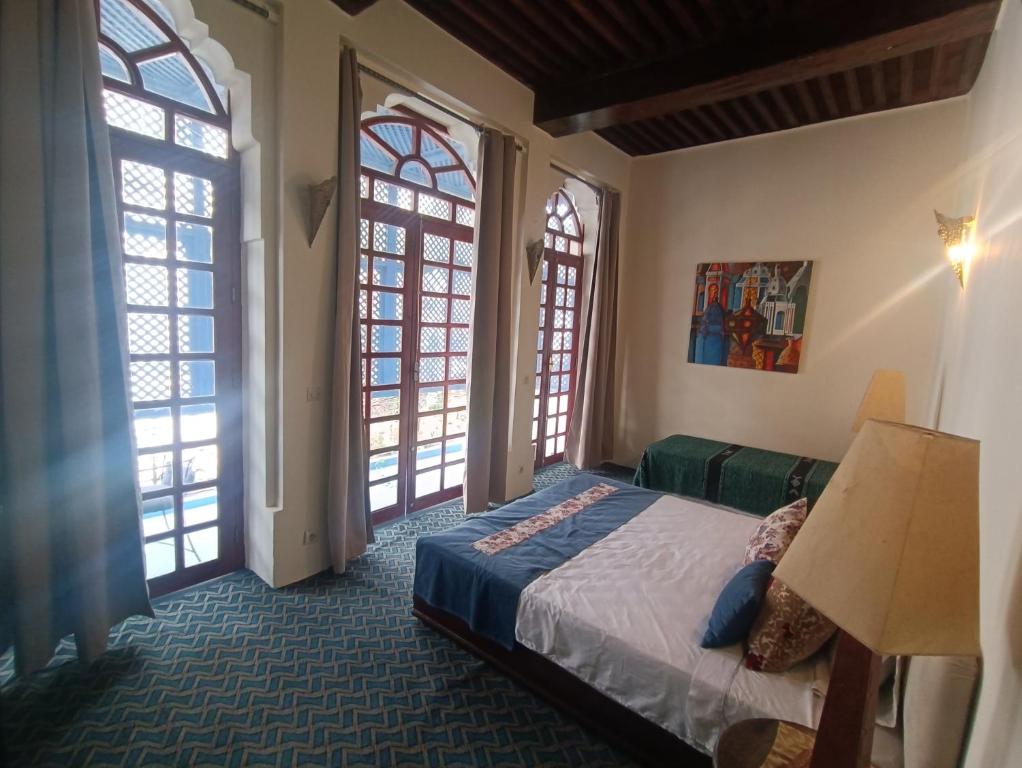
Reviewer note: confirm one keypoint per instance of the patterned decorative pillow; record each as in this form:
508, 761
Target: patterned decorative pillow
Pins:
788, 630
774, 535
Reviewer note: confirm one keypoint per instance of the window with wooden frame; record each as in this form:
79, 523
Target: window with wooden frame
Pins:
176, 180
559, 315
418, 214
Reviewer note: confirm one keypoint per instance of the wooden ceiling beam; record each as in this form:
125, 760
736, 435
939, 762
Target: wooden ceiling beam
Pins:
826, 40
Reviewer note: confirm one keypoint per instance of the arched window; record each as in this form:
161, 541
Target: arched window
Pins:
176, 179
418, 211
557, 344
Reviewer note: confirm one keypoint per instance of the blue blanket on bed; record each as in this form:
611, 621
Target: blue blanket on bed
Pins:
482, 589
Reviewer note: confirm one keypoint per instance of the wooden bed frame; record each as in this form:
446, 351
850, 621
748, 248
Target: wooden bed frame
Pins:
647, 742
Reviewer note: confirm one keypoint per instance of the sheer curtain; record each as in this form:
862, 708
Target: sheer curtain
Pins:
489, 354
348, 514
591, 432
70, 531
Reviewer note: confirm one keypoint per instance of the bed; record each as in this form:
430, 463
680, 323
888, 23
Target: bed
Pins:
596, 594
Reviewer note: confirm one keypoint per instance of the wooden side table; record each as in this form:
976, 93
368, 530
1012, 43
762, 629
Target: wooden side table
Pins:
765, 743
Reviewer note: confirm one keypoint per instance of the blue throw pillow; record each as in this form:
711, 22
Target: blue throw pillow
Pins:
738, 605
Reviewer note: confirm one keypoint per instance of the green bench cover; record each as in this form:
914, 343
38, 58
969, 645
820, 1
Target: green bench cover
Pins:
748, 479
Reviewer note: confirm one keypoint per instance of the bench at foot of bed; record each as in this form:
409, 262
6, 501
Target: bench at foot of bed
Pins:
645, 741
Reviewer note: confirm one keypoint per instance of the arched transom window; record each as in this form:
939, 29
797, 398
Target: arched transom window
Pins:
416, 284
176, 180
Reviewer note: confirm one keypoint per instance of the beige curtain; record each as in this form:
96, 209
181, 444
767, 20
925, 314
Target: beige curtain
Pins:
591, 432
489, 354
348, 518
70, 533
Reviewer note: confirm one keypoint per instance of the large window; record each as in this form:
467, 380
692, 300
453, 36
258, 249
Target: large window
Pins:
557, 343
416, 279
176, 182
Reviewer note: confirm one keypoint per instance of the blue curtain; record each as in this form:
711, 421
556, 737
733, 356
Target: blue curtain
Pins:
70, 535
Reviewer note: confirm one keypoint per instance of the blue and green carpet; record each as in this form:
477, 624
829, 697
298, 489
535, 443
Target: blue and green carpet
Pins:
332, 671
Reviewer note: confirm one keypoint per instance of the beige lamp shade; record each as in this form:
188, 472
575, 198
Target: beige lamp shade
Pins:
884, 399
890, 552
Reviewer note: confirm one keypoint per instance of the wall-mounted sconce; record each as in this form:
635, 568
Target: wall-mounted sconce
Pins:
320, 196
955, 233
534, 255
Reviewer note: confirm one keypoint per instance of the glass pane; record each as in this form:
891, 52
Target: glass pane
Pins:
144, 236
572, 274
560, 444
194, 289
462, 253
432, 339
150, 380
434, 206
155, 470
562, 404
133, 115
388, 306
458, 367
383, 495
388, 238
427, 483
144, 185
198, 465
196, 378
153, 427
383, 434
112, 66
431, 399
196, 134
454, 449
171, 76
562, 424
376, 158
435, 279
465, 216
461, 311
392, 194
454, 475
427, 455
193, 195
462, 282
148, 333
436, 248
550, 447
146, 285
386, 338
431, 369
430, 427
382, 465
194, 333
398, 136
416, 172
127, 27
457, 396
198, 422
459, 340
201, 546
456, 422
389, 272
386, 402
194, 242
454, 183
384, 371
160, 557
434, 309
157, 515
200, 507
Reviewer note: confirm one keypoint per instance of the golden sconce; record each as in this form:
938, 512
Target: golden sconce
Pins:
956, 236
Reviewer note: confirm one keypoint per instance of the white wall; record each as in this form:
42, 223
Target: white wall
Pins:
393, 38
982, 395
856, 197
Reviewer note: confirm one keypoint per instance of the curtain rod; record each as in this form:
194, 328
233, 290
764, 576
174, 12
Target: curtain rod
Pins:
595, 187
409, 92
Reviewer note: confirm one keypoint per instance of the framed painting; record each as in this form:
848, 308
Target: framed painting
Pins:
750, 314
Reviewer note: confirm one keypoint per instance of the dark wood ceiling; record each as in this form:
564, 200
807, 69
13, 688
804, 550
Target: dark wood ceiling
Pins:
656, 75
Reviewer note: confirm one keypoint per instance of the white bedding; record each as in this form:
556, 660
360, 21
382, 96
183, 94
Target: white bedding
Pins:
627, 615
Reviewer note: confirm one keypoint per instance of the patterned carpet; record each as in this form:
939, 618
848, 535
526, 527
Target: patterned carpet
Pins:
331, 671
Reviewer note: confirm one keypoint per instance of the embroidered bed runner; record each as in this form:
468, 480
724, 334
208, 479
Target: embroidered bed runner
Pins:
477, 570
516, 534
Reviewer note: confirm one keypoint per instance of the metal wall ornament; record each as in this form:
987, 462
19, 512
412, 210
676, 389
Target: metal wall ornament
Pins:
534, 256
320, 196
954, 233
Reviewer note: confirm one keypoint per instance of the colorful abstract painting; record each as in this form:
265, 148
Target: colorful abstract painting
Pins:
750, 314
